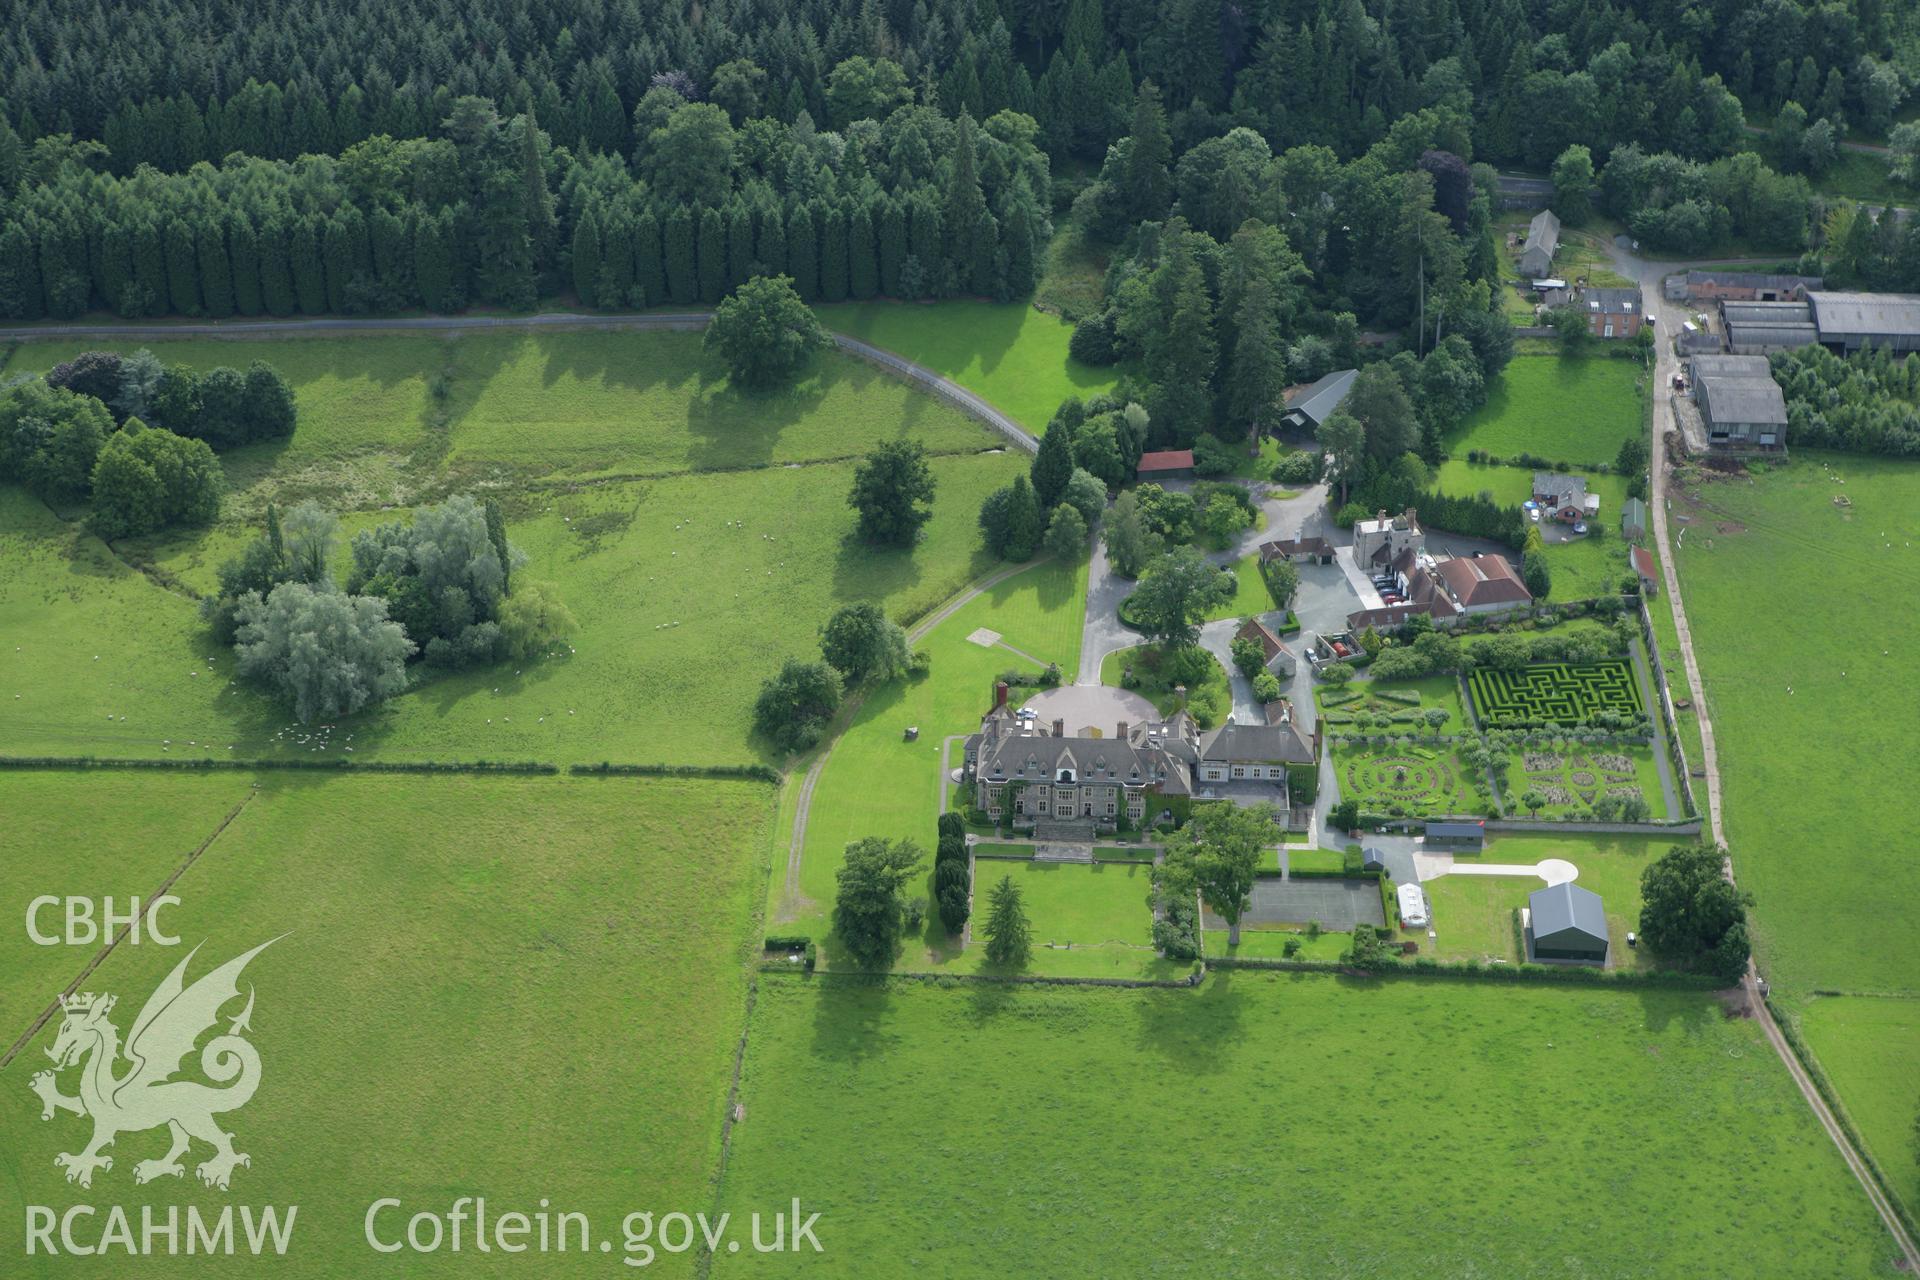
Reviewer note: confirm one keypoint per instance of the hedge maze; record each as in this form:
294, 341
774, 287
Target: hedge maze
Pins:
1563, 693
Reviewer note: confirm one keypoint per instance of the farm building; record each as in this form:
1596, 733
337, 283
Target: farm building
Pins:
1758, 327
1745, 286
1543, 239
1165, 464
1612, 313
1850, 321
1633, 520
1468, 837
1741, 412
1313, 404
1645, 570
1566, 922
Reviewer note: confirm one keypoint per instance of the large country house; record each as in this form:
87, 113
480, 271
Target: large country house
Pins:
1033, 773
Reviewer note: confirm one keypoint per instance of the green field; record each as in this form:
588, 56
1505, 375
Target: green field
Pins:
876, 782
1250, 595
527, 987
1811, 746
139, 829
1576, 410
1868, 1045
688, 587
1711, 1163
1012, 355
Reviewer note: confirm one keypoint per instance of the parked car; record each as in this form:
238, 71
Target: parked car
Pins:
1580, 526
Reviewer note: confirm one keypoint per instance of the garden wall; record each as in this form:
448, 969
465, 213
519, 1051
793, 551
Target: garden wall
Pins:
1689, 827
1656, 669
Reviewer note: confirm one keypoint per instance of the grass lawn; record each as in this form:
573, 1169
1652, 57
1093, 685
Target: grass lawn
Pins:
1462, 1090
138, 830
1424, 780
1208, 701
1576, 410
1250, 594
1009, 353
1811, 746
1271, 944
1087, 920
877, 783
688, 587
1474, 914
1868, 1045
585, 941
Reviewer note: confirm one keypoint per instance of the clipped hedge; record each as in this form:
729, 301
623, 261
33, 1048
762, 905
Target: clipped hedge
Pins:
330, 765
1472, 970
794, 942
755, 772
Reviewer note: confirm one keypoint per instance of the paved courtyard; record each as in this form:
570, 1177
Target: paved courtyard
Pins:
1099, 708
1338, 905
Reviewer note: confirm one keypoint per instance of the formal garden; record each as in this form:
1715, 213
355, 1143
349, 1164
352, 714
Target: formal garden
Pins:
1618, 782
1429, 704
1562, 693
1409, 779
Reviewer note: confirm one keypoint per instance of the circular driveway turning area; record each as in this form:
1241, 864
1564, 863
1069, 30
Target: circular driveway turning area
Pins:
1099, 708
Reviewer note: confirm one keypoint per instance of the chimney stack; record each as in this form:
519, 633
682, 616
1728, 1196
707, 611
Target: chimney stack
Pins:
1059, 728
1123, 731
999, 694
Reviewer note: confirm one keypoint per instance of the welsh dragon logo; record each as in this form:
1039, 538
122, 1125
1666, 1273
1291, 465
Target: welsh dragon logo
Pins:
144, 1095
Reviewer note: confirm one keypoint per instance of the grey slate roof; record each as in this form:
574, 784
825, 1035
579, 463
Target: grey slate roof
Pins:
1708, 364
1561, 908
1457, 830
1752, 280
1318, 400
1543, 237
1767, 312
1742, 333
1612, 301
1568, 489
1865, 313
1256, 744
1751, 400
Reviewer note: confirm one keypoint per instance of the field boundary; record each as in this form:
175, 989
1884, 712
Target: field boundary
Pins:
101, 955
526, 768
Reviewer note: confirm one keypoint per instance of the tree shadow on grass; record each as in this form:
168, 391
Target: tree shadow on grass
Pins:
850, 1014
1190, 1030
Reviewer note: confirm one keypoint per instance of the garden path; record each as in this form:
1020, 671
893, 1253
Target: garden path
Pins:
1662, 757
